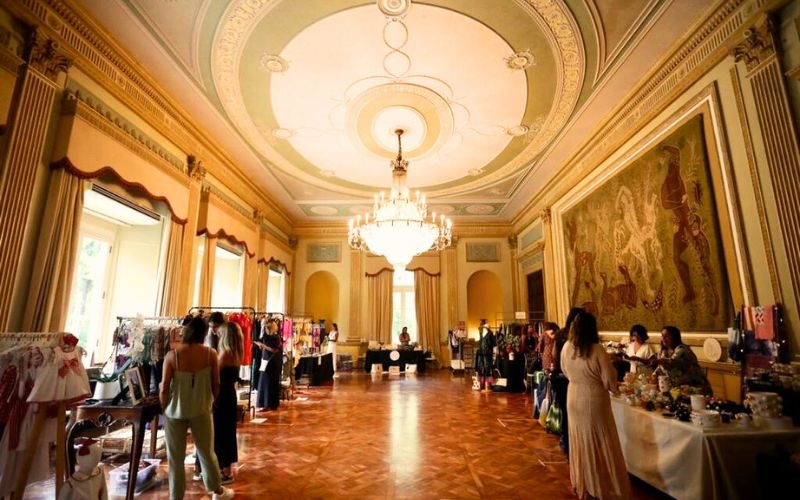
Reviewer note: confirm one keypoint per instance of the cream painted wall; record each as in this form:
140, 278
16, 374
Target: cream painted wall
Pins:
322, 297
340, 271
501, 269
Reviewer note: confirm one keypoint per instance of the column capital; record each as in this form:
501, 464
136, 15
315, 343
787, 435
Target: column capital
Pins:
45, 55
759, 44
197, 171
546, 215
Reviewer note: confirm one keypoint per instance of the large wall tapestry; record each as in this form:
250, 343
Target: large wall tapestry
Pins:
645, 247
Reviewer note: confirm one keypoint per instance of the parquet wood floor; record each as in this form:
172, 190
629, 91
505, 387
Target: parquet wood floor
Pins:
423, 436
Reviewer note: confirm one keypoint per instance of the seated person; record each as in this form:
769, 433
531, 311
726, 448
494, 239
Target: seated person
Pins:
680, 362
405, 338
639, 353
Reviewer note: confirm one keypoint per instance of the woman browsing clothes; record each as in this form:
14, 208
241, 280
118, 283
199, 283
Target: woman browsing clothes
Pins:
226, 405
333, 338
190, 384
596, 464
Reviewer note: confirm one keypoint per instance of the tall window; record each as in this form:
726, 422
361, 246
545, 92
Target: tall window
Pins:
404, 312
88, 298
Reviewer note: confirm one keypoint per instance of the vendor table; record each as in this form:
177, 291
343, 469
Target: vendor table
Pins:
318, 368
687, 461
404, 356
105, 414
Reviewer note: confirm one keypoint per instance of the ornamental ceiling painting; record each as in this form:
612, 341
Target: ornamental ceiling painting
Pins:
305, 96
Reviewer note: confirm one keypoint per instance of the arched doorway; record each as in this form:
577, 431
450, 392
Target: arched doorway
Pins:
322, 297
484, 300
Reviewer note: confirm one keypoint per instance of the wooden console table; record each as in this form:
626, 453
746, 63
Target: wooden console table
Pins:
104, 414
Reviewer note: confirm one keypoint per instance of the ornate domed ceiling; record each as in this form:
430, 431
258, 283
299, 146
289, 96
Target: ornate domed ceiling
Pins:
305, 95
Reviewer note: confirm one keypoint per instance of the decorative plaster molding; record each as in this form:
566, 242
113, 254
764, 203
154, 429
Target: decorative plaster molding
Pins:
102, 119
114, 71
11, 51
758, 45
512, 242
546, 215
245, 211
196, 169
46, 56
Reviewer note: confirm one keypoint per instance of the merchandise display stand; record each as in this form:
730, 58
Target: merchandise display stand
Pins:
41, 340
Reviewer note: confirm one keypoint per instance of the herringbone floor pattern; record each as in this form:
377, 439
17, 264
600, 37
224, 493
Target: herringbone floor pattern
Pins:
423, 436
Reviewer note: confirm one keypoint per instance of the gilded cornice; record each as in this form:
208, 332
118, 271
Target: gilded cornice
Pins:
103, 60
228, 201
196, 169
112, 124
710, 43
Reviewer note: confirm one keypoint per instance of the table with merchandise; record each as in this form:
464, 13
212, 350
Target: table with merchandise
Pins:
691, 461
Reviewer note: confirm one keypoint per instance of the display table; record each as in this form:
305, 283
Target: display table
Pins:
687, 461
514, 372
317, 368
104, 414
404, 356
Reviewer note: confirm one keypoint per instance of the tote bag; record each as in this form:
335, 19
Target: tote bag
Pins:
553, 419
544, 408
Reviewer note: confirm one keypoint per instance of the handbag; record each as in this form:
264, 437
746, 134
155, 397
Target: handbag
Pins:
553, 419
544, 408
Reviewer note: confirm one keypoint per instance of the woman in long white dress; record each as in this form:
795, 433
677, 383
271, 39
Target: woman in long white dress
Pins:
596, 464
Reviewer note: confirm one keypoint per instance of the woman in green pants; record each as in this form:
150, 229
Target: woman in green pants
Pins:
190, 384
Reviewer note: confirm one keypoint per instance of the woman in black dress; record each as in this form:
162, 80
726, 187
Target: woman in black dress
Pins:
269, 383
231, 351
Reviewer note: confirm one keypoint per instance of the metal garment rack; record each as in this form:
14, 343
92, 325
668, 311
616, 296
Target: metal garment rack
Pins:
244, 309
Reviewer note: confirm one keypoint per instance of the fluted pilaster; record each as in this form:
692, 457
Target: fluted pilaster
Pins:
779, 134
356, 282
29, 120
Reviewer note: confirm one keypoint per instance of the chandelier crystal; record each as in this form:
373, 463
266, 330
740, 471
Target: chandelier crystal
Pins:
399, 227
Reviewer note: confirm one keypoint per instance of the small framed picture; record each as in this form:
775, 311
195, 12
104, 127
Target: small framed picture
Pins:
136, 389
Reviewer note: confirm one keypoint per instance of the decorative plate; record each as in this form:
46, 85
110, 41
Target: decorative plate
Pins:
712, 349
394, 355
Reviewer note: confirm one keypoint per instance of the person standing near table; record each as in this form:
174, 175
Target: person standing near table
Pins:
405, 338
596, 464
333, 338
190, 384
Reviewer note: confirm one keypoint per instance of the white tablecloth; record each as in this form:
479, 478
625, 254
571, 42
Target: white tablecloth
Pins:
687, 461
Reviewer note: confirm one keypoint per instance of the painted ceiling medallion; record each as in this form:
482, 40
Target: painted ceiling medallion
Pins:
521, 60
394, 8
274, 63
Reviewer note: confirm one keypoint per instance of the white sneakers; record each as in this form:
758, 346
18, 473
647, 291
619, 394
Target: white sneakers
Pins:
227, 494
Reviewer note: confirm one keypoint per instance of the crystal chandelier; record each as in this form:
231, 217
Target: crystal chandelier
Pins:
397, 227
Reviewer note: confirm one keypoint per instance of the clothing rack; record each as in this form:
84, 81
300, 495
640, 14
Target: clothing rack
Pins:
760, 352
244, 309
9, 340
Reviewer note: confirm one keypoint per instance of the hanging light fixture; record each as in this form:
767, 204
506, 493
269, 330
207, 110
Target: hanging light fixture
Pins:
399, 227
